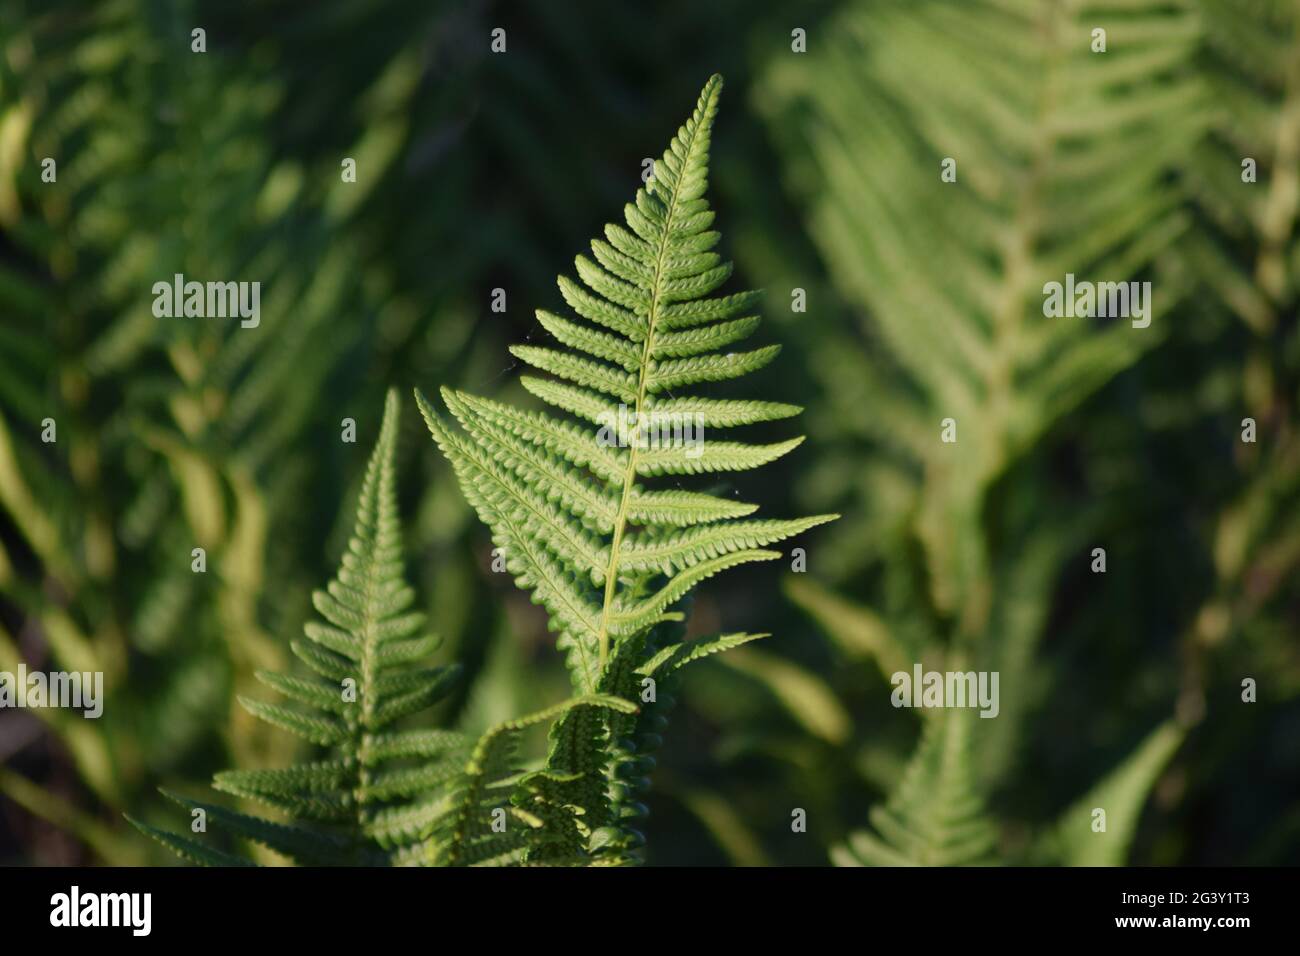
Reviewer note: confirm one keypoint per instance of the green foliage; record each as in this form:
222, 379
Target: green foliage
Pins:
936, 816
1014, 103
953, 272
922, 300
182, 433
609, 558
171, 434
1077, 839
938, 813
463, 834
384, 795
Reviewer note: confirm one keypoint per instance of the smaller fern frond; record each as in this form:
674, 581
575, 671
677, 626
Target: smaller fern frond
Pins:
380, 787
936, 816
366, 647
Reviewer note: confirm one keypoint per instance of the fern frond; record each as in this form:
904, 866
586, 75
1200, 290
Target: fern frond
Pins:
369, 801
367, 607
935, 817
610, 559
1010, 98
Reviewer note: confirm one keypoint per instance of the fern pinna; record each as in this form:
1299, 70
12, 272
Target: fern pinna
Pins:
610, 558
385, 795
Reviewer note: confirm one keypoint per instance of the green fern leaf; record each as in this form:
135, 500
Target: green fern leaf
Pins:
1009, 99
935, 817
380, 788
610, 559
